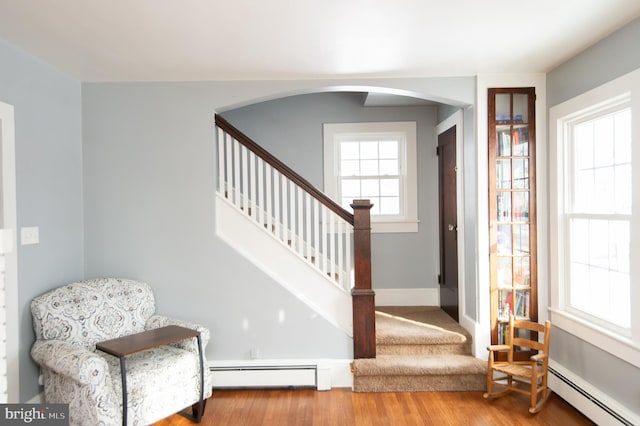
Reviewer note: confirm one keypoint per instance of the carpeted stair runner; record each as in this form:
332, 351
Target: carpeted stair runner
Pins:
419, 349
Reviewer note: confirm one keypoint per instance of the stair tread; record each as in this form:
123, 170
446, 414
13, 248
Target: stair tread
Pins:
417, 326
405, 365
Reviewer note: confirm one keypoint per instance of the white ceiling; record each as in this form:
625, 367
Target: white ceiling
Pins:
187, 40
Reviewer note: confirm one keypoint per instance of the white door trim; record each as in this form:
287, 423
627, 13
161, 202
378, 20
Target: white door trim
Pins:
8, 250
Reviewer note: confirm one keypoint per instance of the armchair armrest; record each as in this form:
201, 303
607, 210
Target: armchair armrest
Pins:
498, 348
78, 364
157, 321
538, 358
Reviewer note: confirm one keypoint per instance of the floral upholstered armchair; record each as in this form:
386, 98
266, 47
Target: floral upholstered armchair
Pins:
70, 320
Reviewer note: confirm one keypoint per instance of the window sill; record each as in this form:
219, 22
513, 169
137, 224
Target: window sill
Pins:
621, 347
387, 227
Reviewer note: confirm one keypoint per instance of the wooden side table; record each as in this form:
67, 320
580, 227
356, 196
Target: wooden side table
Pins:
149, 339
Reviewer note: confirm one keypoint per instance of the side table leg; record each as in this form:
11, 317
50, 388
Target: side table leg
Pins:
123, 375
201, 407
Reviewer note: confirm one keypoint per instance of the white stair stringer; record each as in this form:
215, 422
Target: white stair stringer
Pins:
286, 267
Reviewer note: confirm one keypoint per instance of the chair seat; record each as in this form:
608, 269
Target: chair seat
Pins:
518, 370
156, 380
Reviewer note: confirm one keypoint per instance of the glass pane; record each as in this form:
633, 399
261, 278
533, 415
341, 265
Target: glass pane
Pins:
350, 188
522, 271
503, 174
619, 240
579, 289
623, 136
349, 150
389, 205
370, 188
368, 150
389, 167
503, 108
376, 205
503, 210
603, 141
620, 299
521, 141
599, 243
388, 149
521, 239
504, 140
520, 108
520, 206
622, 189
504, 272
504, 239
522, 304
505, 304
521, 173
503, 333
369, 167
602, 200
579, 240
583, 192
390, 187
349, 168
583, 145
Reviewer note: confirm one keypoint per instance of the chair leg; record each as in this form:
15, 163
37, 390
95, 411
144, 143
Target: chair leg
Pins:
196, 407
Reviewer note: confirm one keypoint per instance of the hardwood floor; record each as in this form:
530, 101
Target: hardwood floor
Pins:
299, 407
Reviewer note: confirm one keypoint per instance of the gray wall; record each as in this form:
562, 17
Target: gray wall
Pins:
607, 60
49, 185
149, 177
291, 129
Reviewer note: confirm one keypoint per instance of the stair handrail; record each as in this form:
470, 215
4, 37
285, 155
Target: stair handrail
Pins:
222, 123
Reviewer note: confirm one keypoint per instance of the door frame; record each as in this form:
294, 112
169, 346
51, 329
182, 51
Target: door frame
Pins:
456, 120
9, 248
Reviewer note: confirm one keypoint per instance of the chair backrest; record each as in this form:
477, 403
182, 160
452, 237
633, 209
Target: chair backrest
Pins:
531, 337
86, 312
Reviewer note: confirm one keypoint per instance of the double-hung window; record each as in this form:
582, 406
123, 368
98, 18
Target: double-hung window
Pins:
593, 219
375, 161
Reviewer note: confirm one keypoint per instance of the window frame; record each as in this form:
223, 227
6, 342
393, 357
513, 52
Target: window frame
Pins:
335, 133
597, 102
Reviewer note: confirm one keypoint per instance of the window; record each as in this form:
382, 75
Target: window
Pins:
375, 161
598, 215
593, 219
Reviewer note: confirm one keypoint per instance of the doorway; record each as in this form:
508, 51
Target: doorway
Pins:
448, 224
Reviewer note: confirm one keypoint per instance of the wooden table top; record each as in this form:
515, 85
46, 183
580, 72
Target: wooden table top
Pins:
127, 345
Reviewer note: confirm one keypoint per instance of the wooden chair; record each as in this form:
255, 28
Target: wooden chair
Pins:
527, 377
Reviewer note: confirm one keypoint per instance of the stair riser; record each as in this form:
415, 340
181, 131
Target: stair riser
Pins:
422, 350
442, 383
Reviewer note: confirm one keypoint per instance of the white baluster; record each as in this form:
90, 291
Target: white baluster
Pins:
276, 203
316, 233
254, 190
229, 169
300, 229
245, 180
236, 173
267, 187
332, 244
221, 180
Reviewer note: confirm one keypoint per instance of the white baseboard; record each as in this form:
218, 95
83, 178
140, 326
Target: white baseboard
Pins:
586, 398
321, 374
407, 296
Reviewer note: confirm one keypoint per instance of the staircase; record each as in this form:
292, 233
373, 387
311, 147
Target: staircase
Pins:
419, 349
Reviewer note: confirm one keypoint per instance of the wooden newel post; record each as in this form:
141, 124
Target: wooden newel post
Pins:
364, 307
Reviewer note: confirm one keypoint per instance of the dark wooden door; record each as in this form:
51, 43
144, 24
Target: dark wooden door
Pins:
448, 222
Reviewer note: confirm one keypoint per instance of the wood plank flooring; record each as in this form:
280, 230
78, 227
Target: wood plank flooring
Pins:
301, 407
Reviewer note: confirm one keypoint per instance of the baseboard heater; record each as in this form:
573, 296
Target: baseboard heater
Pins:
592, 406
277, 376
